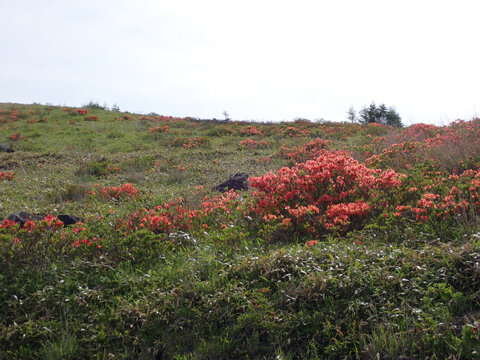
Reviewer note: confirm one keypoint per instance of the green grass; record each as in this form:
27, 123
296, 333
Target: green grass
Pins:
392, 288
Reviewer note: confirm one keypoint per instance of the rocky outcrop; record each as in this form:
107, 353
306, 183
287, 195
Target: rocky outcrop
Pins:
22, 217
5, 148
237, 182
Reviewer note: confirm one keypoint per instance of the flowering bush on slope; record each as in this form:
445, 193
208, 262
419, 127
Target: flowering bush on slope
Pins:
398, 156
451, 147
126, 191
47, 234
331, 191
175, 216
163, 218
305, 152
438, 199
253, 144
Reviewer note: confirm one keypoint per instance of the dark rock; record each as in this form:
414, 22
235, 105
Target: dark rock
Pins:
5, 148
237, 182
68, 219
22, 216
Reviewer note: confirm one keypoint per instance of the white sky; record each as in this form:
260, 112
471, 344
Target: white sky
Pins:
258, 60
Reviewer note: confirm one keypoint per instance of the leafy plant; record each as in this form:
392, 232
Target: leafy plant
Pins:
380, 115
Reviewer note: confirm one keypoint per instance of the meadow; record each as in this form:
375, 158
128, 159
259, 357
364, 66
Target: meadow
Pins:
352, 242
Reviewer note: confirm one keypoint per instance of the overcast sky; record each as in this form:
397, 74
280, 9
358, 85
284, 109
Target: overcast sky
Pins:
257, 60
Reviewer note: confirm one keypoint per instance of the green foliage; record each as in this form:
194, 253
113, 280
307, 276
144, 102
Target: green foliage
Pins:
72, 192
380, 115
95, 168
163, 267
95, 106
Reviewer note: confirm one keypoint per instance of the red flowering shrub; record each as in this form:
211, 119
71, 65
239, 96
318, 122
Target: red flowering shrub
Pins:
126, 191
398, 156
82, 111
292, 131
35, 236
447, 146
331, 191
223, 203
159, 129
91, 118
420, 132
310, 150
251, 130
162, 219
443, 199
175, 216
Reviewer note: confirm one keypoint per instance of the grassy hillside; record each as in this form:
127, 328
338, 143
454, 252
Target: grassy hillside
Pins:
352, 241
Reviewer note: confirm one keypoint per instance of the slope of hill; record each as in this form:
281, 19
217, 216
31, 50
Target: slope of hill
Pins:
352, 241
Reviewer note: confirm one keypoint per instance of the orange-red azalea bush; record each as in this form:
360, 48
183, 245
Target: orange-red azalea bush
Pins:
333, 191
123, 192
176, 216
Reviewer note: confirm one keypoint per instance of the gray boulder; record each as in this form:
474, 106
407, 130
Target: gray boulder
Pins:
68, 219
5, 148
21, 217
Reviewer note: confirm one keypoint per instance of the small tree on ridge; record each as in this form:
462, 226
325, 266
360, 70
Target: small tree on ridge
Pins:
381, 115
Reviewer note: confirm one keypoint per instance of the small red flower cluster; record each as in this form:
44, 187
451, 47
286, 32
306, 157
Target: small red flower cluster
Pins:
91, 118
251, 130
87, 242
194, 142
252, 144
113, 169
163, 129
221, 202
9, 225
126, 191
310, 150
14, 115
82, 111
16, 136
127, 117
11, 116
7, 175
30, 226
53, 222
341, 213
293, 132
312, 242
162, 219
